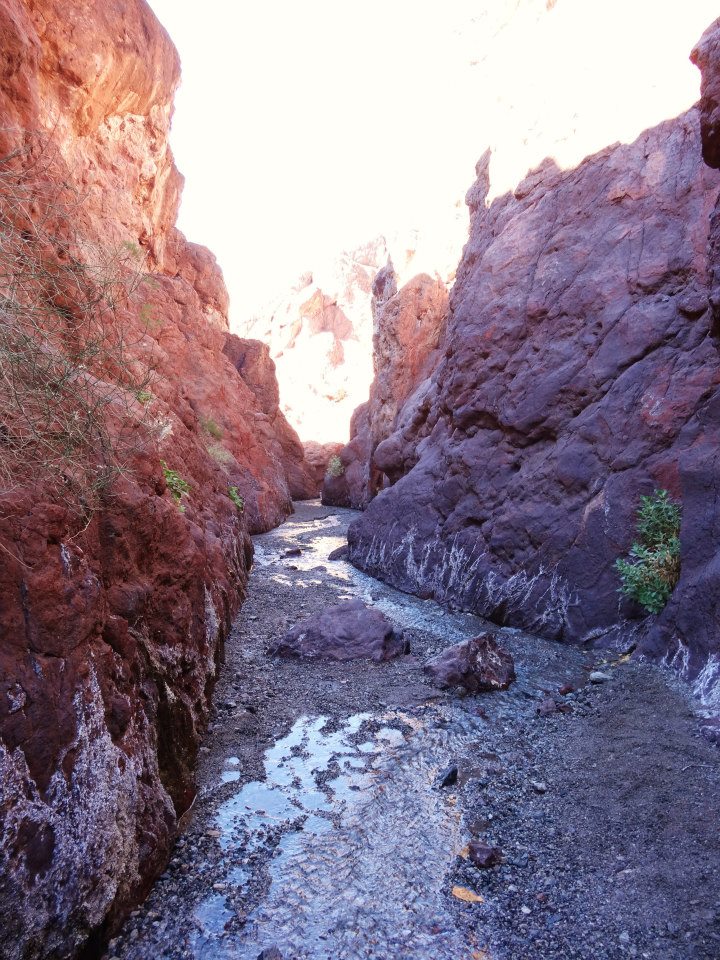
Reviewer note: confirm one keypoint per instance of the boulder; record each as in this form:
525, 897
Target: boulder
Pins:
346, 631
476, 665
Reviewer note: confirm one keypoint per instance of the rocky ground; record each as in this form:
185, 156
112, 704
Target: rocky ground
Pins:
320, 830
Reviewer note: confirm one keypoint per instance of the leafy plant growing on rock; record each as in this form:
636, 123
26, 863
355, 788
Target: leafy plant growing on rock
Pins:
335, 467
651, 571
175, 484
236, 499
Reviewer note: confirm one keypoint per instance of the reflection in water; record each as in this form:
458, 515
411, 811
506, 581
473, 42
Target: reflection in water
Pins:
341, 851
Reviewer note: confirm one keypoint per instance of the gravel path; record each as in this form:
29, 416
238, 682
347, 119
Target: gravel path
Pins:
319, 829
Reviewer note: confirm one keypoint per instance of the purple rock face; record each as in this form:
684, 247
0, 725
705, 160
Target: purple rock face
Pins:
580, 369
346, 631
476, 665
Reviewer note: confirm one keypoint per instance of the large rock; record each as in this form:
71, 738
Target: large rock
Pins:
112, 623
579, 370
477, 665
346, 631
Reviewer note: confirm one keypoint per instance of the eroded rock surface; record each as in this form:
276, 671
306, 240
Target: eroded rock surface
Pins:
477, 665
112, 623
345, 631
580, 370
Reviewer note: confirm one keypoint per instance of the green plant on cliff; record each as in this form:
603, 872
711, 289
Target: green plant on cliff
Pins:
212, 427
652, 569
176, 485
236, 499
335, 467
71, 364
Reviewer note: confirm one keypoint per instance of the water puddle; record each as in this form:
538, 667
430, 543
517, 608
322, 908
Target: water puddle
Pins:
364, 842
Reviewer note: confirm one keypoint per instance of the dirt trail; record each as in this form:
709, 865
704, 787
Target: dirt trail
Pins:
318, 828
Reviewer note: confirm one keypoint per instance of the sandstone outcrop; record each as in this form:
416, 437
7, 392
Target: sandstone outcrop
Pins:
579, 370
408, 327
112, 622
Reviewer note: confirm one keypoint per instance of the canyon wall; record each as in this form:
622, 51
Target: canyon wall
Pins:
407, 327
579, 370
321, 332
112, 618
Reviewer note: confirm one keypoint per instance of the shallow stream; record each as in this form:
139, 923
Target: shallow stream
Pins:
319, 828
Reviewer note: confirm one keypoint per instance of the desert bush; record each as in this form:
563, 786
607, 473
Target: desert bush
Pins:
220, 454
335, 467
72, 391
212, 427
652, 569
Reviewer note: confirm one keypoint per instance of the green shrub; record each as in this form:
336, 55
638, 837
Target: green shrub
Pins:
219, 454
175, 484
144, 396
211, 427
335, 467
236, 499
650, 573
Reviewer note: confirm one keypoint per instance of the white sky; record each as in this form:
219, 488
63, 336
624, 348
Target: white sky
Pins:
305, 126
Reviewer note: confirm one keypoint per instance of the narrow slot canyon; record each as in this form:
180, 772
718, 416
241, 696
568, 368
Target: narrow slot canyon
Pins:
359, 580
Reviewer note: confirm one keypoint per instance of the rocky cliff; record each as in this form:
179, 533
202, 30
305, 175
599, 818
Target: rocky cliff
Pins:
579, 370
113, 610
407, 328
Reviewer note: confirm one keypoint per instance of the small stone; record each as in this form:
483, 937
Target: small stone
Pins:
447, 778
565, 689
271, 953
538, 786
293, 552
597, 676
219, 887
213, 833
484, 856
525, 910
340, 553
547, 707
624, 937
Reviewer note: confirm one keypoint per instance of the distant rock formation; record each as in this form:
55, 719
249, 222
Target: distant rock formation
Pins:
320, 336
408, 327
579, 370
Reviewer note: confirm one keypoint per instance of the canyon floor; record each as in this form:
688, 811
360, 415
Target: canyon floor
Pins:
319, 829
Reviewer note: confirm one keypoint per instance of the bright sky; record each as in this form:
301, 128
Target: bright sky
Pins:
306, 126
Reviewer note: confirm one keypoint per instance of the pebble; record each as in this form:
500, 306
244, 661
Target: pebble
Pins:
538, 786
597, 676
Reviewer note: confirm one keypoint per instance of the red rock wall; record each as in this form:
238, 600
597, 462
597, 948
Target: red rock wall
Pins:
580, 370
408, 327
110, 636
